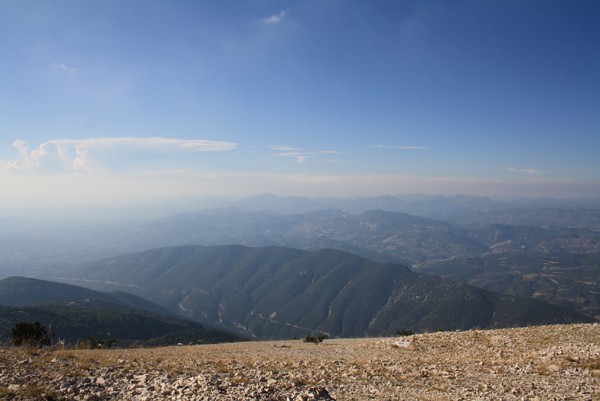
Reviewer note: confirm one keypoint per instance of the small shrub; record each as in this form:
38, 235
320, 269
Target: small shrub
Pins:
30, 334
315, 339
94, 343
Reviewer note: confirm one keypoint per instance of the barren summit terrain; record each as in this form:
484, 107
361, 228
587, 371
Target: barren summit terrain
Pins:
537, 363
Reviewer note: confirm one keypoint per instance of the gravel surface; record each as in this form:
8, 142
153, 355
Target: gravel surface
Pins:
541, 363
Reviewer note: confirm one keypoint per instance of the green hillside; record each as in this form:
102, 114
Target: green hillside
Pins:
72, 313
275, 292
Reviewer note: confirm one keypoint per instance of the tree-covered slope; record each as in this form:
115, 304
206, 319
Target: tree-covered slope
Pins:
73, 313
283, 292
26, 291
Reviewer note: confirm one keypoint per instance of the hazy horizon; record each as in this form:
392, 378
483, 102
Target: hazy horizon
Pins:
112, 104
157, 209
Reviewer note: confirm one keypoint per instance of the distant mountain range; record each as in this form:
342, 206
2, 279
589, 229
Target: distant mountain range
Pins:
554, 263
71, 313
276, 292
546, 249
29, 242
456, 208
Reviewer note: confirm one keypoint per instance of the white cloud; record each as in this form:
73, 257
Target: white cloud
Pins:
85, 154
284, 148
300, 155
275, 19
531, 171
63, 67
400, 147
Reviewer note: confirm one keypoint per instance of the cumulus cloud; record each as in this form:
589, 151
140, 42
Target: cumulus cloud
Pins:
275, 19
86, 154
400, 147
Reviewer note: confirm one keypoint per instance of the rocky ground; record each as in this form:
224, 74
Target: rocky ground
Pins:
541, 363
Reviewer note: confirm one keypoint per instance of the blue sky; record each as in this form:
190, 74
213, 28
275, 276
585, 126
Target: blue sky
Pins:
117, 101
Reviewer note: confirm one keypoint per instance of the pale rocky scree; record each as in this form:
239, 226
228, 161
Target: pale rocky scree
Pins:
538, 363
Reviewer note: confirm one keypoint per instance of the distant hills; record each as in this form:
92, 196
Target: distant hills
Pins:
71, 313
27, 243
455, 208
557, 265
277, 292
21, 291
547, 249
558, 262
